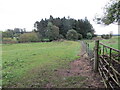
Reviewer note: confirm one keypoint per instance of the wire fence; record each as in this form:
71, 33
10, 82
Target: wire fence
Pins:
89, 51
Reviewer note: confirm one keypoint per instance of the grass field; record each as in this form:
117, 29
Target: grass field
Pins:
22, 61
113, 42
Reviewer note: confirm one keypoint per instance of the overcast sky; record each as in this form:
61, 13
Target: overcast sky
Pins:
24, 13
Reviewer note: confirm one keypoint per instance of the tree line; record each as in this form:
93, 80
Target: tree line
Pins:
11, 33
55, 28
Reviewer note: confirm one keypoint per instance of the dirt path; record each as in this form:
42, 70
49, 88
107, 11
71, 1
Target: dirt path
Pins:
82, 67
79, 74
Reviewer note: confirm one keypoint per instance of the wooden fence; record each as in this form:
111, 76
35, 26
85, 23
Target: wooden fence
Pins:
107, 63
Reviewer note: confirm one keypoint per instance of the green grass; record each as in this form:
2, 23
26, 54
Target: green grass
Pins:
21, 61
113, 42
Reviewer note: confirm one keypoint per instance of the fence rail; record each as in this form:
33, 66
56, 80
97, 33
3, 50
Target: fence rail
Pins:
107, 63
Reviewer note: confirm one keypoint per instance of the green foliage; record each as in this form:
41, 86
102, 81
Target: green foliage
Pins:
8, 40
52, 32
72, 35
61, 36
45, 40
80, 36
82, 26
29, 37
111, 13
8, 34
111, 35
94, 35
107, 36
89, 36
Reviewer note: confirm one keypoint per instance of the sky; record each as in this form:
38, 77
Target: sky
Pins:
24, 13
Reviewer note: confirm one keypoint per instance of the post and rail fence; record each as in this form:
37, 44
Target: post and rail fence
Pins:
107, 63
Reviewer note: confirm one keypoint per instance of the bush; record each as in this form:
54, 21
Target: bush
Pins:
102, 36
8, 41
89, 36
72, 35
107, 36
61, 36
94, 35
80, 36
111, 35
29, 37
45, 40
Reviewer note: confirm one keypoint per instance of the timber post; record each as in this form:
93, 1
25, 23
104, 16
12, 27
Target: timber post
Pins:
96, 56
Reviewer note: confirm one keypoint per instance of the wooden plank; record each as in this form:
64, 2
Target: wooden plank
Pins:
115, 61
116, 77
104, 60
111, 85
106, 78
111, 75
115, 70
109, 47
111, 66
103, 78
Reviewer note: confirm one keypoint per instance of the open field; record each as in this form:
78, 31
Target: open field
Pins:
37, 64
21, 62
113, 42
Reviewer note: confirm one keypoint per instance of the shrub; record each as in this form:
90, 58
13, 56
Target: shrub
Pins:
45, 40
8, 41
61, 36
72, 35
29, 37
94, 35
111, 35
89, 36
102, 36
80, 36
107, 36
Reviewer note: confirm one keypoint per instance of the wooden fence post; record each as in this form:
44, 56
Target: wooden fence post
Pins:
96, 56
88, 49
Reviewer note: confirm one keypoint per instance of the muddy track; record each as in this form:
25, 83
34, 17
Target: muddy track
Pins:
82, 67
46, 78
